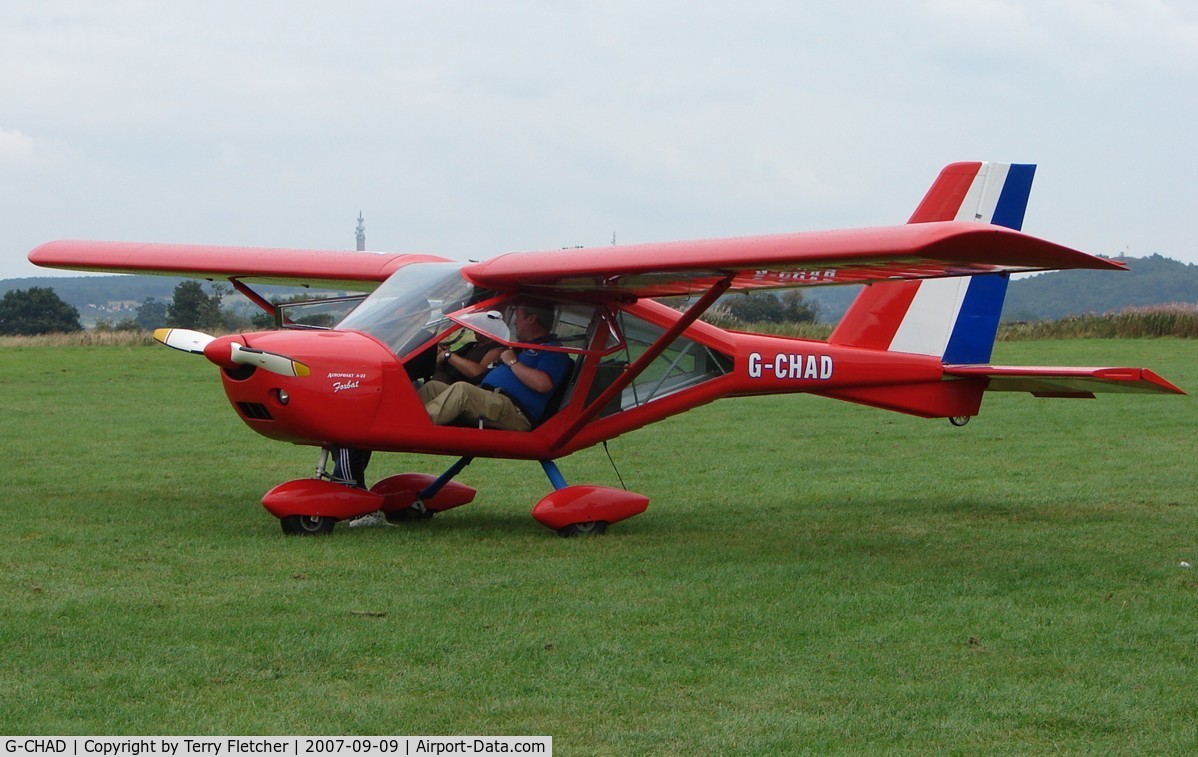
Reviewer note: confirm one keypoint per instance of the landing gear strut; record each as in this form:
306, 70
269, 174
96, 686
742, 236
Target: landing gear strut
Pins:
312, 506
584, 510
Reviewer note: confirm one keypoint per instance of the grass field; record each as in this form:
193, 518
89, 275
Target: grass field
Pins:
810, 576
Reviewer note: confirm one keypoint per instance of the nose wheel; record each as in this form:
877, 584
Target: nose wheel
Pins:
592, 528
307, 525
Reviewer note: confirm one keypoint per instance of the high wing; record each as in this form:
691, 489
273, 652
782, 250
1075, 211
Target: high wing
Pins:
913, 251
331, 269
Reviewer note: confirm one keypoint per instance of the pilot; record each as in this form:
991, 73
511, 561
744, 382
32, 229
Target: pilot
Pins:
514, 394
469, 363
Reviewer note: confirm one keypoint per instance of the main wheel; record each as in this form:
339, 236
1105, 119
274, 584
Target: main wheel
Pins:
591, 528
307, 525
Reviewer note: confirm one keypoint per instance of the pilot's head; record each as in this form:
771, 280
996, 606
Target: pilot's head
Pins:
531, 320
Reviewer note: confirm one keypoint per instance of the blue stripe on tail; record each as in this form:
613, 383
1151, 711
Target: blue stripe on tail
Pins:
1012, 203
972, 340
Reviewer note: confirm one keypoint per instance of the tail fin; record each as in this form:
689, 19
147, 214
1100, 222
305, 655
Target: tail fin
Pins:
954, 319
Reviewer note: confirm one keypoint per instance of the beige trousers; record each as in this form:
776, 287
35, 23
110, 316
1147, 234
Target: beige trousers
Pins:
447, 403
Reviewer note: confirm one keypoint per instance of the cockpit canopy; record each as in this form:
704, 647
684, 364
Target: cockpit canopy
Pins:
424, 301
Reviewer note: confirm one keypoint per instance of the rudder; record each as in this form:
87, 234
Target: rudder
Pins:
955, 319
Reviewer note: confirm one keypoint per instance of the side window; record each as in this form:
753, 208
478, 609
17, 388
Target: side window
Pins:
315, 314
576, 326
685, 363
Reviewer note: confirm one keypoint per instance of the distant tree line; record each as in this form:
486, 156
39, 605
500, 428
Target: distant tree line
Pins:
38, 310
190, 307
791, 306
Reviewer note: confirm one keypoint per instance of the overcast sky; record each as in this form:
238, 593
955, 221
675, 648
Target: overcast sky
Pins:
470, 129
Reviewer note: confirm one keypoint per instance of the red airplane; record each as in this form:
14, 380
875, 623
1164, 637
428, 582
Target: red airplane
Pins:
917, 340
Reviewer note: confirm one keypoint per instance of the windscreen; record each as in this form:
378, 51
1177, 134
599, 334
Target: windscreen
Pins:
410, 307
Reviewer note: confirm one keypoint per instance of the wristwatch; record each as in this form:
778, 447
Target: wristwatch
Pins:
448, 355
513, 363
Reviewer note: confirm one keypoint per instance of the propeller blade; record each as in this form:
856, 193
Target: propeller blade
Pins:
280, 364
184, 339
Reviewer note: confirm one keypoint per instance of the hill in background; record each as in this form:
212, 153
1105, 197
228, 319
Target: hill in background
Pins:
82, 290
1154, 280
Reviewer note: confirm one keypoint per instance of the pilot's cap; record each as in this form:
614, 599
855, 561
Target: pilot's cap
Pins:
488, 322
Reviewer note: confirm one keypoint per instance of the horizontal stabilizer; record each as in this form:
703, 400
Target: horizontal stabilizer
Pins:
1065, 382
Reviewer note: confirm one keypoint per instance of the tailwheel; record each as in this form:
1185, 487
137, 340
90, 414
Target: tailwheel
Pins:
307, 525
590, 528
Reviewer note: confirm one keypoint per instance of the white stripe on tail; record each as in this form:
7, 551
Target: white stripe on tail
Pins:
954, 319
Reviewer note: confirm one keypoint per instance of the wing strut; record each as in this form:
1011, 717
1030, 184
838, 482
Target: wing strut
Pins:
665, 340
255, 298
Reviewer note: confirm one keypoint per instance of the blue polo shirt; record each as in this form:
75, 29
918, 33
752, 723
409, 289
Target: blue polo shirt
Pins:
556, 364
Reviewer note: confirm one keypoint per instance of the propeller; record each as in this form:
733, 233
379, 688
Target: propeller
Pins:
273, 362
184, 339
196, 342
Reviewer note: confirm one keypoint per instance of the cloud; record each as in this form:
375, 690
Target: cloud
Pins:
16, 148
473, 128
